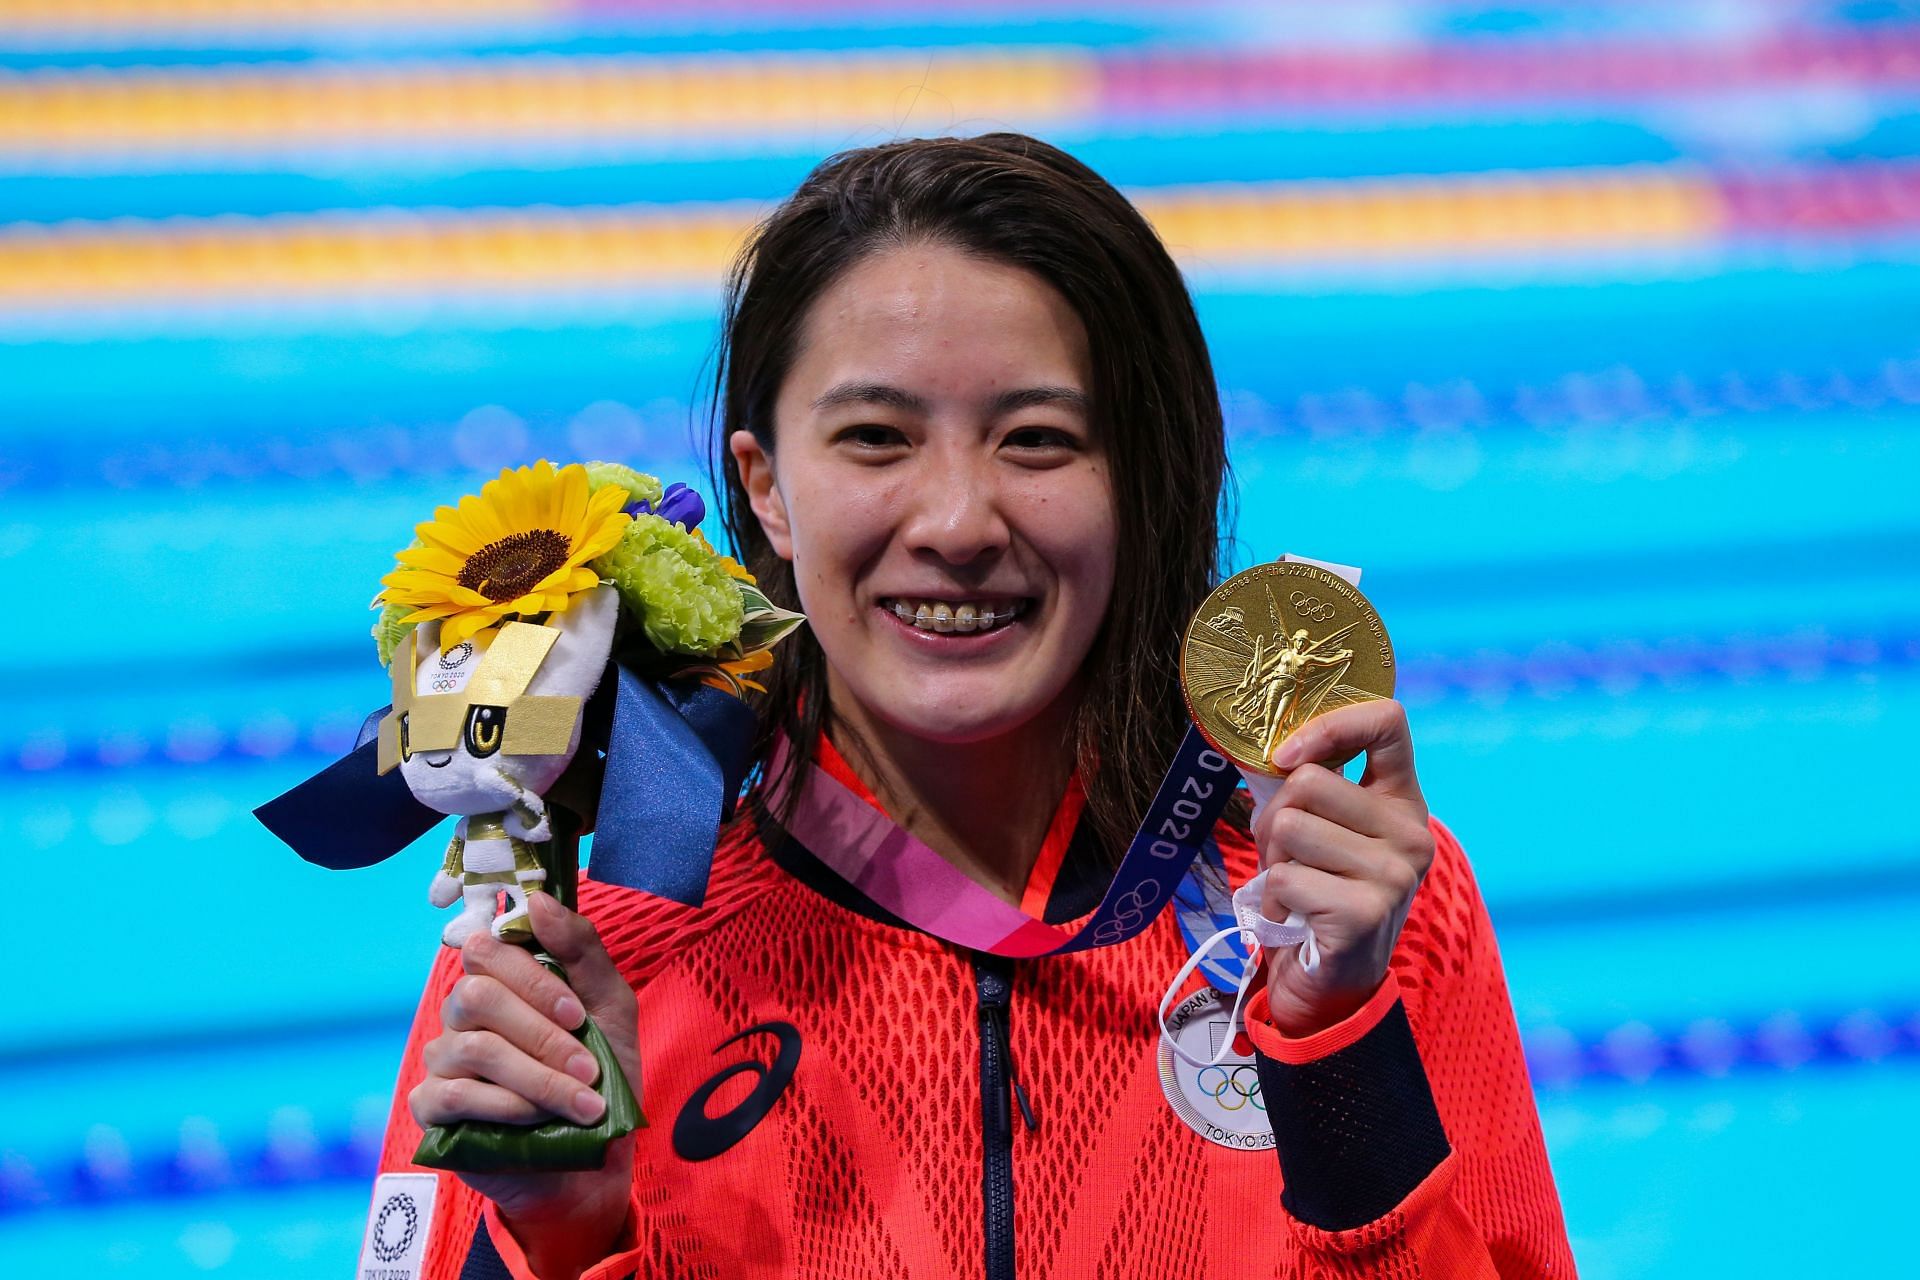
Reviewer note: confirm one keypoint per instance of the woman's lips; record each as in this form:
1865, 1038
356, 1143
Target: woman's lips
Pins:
942, 616
1007, 626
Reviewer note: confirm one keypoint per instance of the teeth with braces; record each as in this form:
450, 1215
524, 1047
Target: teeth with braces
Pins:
947, 618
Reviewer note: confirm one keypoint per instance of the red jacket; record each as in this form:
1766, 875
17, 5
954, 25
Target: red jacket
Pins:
876, 1134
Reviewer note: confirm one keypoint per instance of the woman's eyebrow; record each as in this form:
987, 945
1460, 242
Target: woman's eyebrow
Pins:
871, 393
896, 398
1033, 397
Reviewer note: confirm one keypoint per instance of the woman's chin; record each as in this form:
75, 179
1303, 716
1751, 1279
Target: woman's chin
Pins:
961, 713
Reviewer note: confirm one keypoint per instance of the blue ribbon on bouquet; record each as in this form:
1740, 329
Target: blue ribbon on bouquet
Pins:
676, 756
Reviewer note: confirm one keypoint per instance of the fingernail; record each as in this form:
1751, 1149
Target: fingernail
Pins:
582, 1067
568, 1012
587, 1105
1286, 755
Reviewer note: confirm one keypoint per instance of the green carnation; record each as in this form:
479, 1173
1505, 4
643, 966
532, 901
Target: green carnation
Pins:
672, 583
389, 631
640, 486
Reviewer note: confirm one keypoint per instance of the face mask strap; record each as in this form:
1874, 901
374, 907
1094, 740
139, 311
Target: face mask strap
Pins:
1258, 932
1240, 997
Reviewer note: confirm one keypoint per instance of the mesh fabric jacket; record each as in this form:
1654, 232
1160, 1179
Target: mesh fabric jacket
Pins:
1409, 1129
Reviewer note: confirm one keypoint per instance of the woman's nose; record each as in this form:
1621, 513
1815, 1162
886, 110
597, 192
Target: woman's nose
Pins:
957, 513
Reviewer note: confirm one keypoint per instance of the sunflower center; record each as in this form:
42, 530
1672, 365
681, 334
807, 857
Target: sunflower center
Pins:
515, 564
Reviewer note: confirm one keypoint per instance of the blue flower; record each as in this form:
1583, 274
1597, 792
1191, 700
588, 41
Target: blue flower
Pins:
678, 505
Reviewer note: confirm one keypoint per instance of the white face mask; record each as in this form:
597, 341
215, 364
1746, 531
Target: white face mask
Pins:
1256, 930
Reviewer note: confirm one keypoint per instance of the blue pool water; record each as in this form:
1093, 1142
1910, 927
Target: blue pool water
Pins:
1641, 515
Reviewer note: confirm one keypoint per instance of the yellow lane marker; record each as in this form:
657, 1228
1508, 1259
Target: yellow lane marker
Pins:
635, 246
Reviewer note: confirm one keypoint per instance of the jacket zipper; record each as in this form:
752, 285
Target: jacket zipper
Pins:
1000, 1089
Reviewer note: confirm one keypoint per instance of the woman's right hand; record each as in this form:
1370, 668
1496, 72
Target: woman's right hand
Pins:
506, 1052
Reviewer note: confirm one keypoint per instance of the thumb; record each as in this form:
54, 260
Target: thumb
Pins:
571, 939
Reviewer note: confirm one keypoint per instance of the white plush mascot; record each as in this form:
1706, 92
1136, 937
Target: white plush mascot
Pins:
482, 731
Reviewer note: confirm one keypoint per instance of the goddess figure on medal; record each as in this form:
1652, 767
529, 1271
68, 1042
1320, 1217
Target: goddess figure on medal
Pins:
1276, 684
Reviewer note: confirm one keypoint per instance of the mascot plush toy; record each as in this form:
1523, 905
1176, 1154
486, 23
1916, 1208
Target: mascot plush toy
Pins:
565, 628
482, 730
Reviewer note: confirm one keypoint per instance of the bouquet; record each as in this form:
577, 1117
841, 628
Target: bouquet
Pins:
559, 607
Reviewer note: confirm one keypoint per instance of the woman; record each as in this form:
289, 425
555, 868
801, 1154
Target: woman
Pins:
971, 429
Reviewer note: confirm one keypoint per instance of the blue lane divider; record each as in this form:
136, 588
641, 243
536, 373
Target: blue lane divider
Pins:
1635, 1052
1554, 669
106, 1173
40, 461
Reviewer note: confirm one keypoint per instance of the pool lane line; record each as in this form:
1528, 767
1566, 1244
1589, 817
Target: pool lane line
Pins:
432, 254
78, 113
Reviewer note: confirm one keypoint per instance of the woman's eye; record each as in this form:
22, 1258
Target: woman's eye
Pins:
871, 435
1040, 439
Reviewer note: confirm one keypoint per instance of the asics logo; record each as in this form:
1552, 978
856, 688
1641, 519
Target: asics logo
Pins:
699, 1136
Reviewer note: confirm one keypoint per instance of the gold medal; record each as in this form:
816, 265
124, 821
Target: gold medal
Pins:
1275, 646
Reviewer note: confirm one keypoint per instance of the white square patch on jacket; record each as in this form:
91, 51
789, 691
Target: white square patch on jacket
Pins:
397, 1225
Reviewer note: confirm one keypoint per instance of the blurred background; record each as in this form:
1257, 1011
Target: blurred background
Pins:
1591, 330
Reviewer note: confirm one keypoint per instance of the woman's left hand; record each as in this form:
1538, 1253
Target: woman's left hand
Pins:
1348, 856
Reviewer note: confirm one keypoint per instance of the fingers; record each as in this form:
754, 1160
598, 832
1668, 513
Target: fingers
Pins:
1319, 790
436, 1100
1295, 886
515, 969
481, 1004
459, 1060
1378, 728
572, 940
506, 1052
1296, 835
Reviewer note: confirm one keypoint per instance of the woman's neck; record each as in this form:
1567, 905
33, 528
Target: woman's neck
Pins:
983, 806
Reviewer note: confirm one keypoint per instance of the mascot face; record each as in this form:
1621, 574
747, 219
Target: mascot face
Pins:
495, 718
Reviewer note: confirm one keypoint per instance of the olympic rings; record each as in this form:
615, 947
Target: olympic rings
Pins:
1310, 606
1232, 1080
1129, 914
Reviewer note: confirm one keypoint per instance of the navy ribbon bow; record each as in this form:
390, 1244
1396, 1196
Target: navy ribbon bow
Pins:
676, 756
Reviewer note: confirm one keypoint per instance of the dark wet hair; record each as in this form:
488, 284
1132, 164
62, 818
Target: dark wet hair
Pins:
1015, 200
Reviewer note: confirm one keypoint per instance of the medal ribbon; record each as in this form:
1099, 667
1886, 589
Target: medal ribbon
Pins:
917, 885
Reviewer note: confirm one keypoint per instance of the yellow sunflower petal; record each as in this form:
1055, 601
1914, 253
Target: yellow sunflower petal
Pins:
508, 497
601, 540
570, 579
464, 626
484, 519
428, 613
528, 495
433, 560
569, 508
453, 541
604, 502
411, 586
458, 519
404, 584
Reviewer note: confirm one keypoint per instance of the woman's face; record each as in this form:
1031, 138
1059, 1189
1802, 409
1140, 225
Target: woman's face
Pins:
940, 490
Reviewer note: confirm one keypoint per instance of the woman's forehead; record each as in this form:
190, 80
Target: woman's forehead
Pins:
931, 322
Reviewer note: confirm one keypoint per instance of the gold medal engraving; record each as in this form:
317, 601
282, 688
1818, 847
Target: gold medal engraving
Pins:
1275, 646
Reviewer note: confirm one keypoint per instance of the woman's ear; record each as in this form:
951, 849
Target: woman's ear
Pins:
755, 465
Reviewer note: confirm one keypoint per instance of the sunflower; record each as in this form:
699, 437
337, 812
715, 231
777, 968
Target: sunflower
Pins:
521, 547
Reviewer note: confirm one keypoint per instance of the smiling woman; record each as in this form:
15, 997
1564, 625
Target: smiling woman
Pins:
937, 467
907, 295
966, 421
